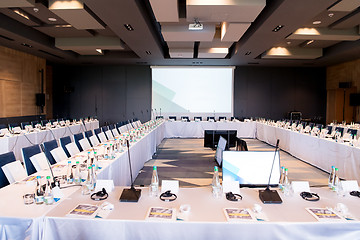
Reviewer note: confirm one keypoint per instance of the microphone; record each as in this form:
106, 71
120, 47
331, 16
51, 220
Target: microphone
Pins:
267, 195
130, 194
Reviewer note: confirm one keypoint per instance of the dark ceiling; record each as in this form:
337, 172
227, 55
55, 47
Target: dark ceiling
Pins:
338, 40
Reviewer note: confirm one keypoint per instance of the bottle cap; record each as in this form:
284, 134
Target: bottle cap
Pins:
77, 162
332, 166
90, 167
69, 161
216, 168
336, 169
286, 169
38, 177
154, 168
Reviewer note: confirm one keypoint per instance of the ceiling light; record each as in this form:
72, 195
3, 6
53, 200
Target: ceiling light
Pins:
99, 50
307, 31
26, 45
51, 19
316, 22
196, 26
21, 14
148, 52
288, 42
63, 26
128, 27
247, 53
279, 51
36, 10
277, 28
331, 14
309, 42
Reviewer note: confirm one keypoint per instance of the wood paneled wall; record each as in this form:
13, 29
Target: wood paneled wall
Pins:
344, 72
20, 80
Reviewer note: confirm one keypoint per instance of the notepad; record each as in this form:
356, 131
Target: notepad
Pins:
161, 214
84, 211
238, 214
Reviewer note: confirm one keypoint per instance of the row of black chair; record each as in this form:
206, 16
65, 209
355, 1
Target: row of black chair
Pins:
199, 118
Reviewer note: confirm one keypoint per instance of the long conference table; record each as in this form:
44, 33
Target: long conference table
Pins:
18, 141
206, 219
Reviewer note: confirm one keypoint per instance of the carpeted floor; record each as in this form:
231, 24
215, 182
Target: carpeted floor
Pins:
189, 162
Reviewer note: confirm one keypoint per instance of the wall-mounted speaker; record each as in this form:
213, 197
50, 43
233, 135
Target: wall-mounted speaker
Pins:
40, 99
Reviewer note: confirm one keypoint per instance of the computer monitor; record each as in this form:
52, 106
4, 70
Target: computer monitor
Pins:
211, 138
251, 168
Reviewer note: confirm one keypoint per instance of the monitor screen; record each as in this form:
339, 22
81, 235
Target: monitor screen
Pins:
251, 168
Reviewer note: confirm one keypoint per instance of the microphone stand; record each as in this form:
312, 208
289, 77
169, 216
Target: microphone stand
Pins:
267, 195
130, 194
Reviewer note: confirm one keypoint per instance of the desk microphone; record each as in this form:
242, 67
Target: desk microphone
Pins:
131, 194
267, 195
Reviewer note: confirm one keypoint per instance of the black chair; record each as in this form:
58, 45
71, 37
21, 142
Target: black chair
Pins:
159, 117
319, 126
311, 125
185, 118
329, 128
5, 158
63, 142
33, 123
48, 146
105, 128
353, 132
209, 118
199, 118
119, 124
77, 138
304, 124
23, 124
12, 125
28, 152
232, 118
222, 118
44, 122
111, 126
172, 118
241, 145
340, 129
88, 134
2, 126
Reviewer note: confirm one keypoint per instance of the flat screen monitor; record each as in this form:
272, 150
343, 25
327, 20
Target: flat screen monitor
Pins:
251, 168
211, 138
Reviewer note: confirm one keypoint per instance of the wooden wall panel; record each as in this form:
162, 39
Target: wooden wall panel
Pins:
344, 72
19, 82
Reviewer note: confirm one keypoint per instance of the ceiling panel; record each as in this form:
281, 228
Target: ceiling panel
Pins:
326, 34
25, 18
325, 18
346, 5
180, 44
165, 10
292, 53
181, 52
16, 3
63, 32
43, 13
224, 11
213, 52
350, 21
232, 32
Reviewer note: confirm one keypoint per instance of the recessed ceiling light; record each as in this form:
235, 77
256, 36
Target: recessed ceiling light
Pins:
316, 22
247, 53
148, 52
99, 50
51, 19
309, 42
331, 14
128, 27
35, 9
26, 45
277, 28
288, 42
21, 14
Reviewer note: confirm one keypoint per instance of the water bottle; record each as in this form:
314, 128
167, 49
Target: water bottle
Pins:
87, 187
93, 176
282, 177
216, 186
77, 177
336, 181
286, 184
154, 186
48, 196
331, 177
69, 176
39, 192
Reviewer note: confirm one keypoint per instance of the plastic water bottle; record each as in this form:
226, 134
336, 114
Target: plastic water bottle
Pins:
216, 186
154, 186
93, 176
282, 177
331, 177
69, 176
39, 193
286, 184
77, 178
336, 181
48, 196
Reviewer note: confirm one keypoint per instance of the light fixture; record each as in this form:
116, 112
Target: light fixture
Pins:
63, 26
316, 22
309, 42
128, 27
35, 10
288, 42
99, 50
21, 14
196, 26
51, 19
331, 14
277, 28
26, 45
148, 52
307, 31
247, 53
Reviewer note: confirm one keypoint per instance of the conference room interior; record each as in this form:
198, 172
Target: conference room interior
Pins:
100, 63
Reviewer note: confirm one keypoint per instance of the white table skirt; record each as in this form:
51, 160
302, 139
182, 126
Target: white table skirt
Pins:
319, 152
289, 220
178, 129
17, 142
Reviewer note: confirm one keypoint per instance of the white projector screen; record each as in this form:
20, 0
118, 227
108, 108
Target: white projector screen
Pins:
192, 91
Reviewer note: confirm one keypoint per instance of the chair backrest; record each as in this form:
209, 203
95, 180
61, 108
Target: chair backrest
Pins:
198, 118
319, 126
12, 125
94, 140
111, 126
48, 146
123, 129
185, 118
85, 144
352, 131
102, 137
39, 161
14, 171
172, 118
222, 118
109, 135
77, 138
117, 125
33, 123
105, 128
340, 129
28, 152
97, 131
115, 132
72, 148
58, 154
5, 159
241, 145
63, 142
211, 118
88, 134
44, 122
23, 124
311, 125
329, 128
2, 126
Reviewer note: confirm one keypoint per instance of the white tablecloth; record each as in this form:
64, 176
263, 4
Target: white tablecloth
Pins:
179, 129
319, 152
17, 142
289, 220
